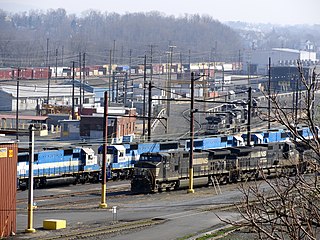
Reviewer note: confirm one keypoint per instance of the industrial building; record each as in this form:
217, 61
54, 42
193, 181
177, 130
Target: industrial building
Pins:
256, 61
32, 97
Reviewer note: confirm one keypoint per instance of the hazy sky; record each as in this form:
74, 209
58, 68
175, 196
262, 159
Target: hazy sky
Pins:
258, 11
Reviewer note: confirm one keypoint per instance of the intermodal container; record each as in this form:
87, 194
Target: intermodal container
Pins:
8, 186
5, 73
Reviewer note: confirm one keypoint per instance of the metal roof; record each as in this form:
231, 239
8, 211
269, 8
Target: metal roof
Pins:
6, 140
37, 91
23, 117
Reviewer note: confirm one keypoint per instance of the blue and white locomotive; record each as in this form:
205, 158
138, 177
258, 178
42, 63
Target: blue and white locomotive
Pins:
75, 165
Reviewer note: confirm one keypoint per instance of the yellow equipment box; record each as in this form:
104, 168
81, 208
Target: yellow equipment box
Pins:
54, 224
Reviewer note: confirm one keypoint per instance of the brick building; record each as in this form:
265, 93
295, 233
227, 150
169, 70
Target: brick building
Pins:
121, 122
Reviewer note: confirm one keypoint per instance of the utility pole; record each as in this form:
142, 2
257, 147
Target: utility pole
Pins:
72, 110
151, 66
125, 83
62, 52
191, 190
149, 111
113, 85
56, 64
169, 80
84, 75
180, 62
296, 102
249, 116
214, 68
17, 105
47, 58
239, 61
103, 203
48, 93
80, 84
144, 95
117, 89
313, 78
130, 65
269, 94
222, 68
30, 228
121, 58
110, 66
114, 50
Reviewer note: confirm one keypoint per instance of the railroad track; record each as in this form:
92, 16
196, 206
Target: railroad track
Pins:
93, 232
198, 125
70, 198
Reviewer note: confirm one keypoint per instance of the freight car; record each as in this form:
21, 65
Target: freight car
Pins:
74, 165
170, 170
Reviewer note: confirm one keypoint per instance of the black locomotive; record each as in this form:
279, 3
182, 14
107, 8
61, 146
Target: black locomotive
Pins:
170, 170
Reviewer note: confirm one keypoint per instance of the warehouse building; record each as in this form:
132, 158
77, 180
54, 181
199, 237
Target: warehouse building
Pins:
32, 97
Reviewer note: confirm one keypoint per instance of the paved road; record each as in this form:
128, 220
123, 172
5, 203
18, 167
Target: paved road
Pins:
184, 213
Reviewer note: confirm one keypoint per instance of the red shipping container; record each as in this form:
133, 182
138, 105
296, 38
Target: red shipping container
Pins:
8, 187
41, 73
26, 73
6, 73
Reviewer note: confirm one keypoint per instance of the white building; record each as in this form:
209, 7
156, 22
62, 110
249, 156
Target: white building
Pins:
29, 97
259, 59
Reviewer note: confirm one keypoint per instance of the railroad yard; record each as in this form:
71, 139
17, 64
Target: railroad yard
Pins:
151, 216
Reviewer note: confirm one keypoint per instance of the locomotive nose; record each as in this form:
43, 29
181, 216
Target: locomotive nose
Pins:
141, 184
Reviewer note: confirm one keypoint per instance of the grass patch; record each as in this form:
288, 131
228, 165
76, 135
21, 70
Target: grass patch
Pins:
186, 237
218, 233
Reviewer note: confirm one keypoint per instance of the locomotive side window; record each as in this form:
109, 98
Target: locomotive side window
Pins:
68, 152
224, 139
134, 147
109, 151
167, 146
23, 158
196, 144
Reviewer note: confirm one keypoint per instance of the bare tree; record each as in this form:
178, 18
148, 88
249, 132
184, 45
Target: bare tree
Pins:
288, 207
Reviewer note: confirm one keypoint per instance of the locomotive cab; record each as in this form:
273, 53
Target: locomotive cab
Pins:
119, 165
